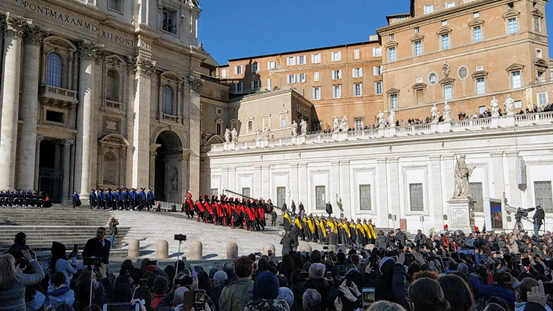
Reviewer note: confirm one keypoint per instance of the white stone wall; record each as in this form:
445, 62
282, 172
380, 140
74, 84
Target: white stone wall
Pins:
389, 165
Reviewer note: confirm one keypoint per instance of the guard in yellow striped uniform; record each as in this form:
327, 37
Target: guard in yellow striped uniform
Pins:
298, 224
312, 229
287, 222
360, 234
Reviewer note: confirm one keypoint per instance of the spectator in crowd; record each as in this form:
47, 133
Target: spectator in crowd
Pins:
265, 294
60, 293
59, 263
13, 282
237, 294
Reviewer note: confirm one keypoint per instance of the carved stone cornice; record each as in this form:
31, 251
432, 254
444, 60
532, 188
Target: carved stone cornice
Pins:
195, 83
15, 25
34, 35
89, 50
145, 65
39, 138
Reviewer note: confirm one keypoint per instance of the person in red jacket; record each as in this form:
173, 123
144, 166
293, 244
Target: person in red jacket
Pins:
199, 208
188, 206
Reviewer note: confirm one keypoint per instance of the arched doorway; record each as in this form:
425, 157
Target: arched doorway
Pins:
168, 178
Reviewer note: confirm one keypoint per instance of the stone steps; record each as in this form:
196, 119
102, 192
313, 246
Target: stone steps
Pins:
59, 223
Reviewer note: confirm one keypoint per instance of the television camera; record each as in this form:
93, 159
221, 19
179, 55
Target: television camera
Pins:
520, 214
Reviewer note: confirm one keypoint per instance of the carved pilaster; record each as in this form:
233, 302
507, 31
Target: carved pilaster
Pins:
34, 35
15, 25
2, 22
68, 142
89, 50
131, 64
39, 138
145, 65
195, 83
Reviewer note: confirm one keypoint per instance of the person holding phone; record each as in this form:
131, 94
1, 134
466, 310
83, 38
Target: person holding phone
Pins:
59, 263
13, 281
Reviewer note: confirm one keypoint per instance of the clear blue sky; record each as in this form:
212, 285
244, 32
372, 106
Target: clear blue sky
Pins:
241, 28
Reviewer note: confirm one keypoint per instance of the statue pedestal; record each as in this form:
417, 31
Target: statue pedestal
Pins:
445, 126
434, 127
390, 131
298, 140
228, 146
507, 121
340, 136
381, 131
494, 122
262, 143
462, 214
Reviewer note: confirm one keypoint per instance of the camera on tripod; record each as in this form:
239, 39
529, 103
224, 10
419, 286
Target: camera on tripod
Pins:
522, 213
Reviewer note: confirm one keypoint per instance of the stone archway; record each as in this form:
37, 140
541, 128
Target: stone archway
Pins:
168, 167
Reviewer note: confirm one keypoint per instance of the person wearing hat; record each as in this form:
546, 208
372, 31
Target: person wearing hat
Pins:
150, 196
265, 294
199, 208
93, 199
287, 221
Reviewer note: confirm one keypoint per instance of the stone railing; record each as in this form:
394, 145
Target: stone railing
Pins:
58, 93
169, 118
114, 105
543, 118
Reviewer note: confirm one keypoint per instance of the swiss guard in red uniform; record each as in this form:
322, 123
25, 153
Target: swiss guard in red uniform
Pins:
199, 208
188, 206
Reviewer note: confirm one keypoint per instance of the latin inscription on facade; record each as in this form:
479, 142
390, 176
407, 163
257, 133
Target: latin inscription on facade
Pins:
75, 21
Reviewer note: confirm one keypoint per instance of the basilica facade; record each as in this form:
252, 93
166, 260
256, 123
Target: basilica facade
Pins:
92, 96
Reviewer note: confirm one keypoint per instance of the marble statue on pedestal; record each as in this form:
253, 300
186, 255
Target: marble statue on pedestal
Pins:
509, 106
392, 118
344, 124
435, 111
495, 107
462, 174
258, 133
336, 124
234, 135
447, 113
267, 132
227, 135
380, 117
303, 127
294, 129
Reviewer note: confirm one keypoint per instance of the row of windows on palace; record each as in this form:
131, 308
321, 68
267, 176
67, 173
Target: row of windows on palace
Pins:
480, 76
542, 193
54, 77
511, 27
298, 60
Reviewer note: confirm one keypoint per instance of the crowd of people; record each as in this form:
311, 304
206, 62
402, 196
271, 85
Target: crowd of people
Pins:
329, 230
227, 211
119, 199
24, 198
453, 271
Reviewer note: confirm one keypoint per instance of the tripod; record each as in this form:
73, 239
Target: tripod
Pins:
518, 225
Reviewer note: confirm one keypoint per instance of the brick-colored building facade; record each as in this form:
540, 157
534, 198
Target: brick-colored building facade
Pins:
338, 80
465, 53
460, 51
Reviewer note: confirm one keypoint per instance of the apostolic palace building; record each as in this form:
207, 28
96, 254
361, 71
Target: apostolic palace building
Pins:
119, 93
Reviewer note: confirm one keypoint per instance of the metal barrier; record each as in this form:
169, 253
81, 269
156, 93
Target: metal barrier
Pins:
168, 206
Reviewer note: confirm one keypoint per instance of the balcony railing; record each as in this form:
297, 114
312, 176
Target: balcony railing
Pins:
110, 104
57, 96
544, 118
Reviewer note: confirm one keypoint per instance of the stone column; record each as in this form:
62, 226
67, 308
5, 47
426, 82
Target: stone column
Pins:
37, 160
194, 129
66, 195
153, 154
25, 162
10, 102
83, 157
141, 130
